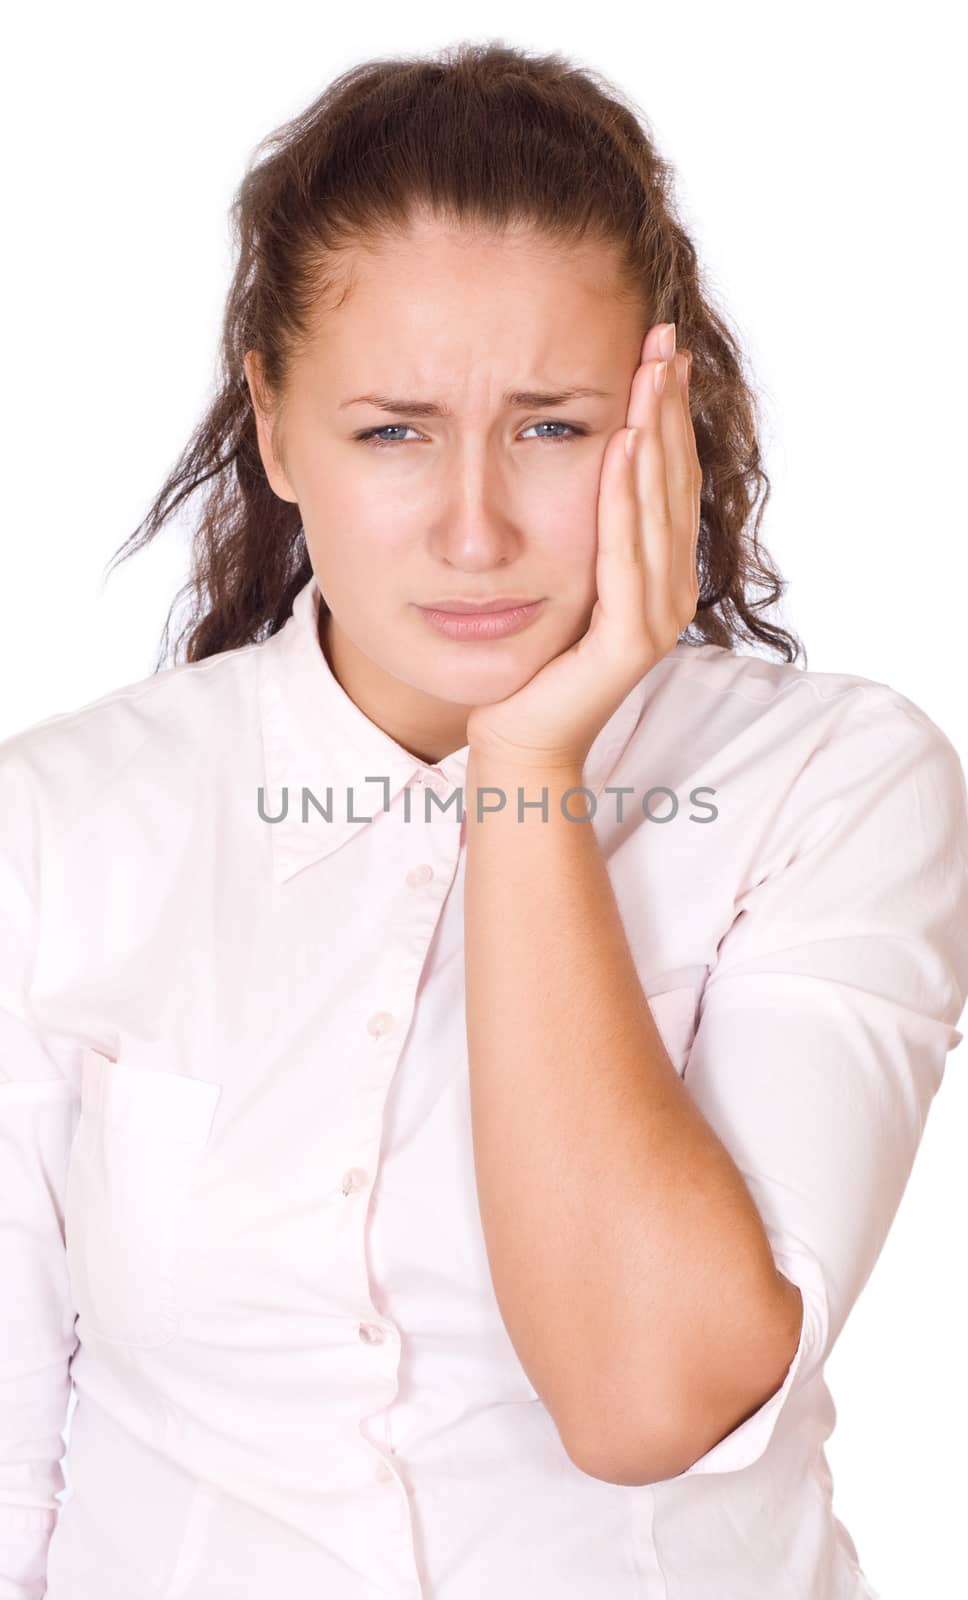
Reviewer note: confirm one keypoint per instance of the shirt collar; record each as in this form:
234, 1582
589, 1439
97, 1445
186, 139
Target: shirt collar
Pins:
315, 736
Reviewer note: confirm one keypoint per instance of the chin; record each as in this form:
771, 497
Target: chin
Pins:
486, 683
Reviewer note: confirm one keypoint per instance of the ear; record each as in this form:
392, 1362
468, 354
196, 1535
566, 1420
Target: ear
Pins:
264, 421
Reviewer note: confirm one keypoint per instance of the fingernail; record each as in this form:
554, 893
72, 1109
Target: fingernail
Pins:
667, 340
630, 439
660, 376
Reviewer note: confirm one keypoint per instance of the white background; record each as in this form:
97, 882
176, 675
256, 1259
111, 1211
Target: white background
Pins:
820, 157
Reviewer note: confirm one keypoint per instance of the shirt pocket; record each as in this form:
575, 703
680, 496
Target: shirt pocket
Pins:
674, 1002
139, 1138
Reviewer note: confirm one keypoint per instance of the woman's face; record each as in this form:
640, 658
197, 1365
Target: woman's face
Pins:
490, 494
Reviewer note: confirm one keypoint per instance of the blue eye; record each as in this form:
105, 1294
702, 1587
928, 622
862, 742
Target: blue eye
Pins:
552, 437
401, 427
370, 433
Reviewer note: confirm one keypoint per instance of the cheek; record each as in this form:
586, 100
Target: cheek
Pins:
564, 507
564, 539
352, 563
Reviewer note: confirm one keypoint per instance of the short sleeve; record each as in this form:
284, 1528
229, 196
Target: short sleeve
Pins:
38, 1114
826, 1019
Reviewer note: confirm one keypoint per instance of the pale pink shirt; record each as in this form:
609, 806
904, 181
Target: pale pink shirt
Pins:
237, 1181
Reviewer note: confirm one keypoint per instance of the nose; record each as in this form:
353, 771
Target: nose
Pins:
474, 526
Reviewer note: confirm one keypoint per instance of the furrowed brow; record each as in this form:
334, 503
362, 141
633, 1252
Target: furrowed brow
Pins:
523, 399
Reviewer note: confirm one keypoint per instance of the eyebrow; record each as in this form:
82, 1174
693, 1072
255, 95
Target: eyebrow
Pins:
525, 398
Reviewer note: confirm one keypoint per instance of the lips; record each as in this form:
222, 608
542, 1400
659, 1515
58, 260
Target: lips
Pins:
478, 607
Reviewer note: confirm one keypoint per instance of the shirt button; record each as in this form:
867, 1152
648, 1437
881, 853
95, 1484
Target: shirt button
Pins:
354, 1179
370, 1333
379, 1023
418, 875
431, 780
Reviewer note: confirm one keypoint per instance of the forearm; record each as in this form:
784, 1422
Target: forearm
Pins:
630, 1264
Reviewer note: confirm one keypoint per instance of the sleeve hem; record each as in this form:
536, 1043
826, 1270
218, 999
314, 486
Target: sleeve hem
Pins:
748, 1442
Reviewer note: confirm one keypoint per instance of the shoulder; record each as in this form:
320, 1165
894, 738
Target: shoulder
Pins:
804, 757
846, 828
778, 697
152, 730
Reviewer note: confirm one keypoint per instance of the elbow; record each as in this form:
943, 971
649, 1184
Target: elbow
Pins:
632, 1472
651, 1457
650, 1454
706, 1412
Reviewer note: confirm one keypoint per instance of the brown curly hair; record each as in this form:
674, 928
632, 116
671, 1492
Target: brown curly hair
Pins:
487, 134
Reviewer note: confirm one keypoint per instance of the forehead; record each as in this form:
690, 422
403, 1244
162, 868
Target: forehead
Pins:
444, 292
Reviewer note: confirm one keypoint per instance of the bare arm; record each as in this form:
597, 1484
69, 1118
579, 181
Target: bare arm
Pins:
630, 1264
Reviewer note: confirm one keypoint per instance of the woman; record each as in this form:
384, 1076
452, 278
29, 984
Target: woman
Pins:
442, 1202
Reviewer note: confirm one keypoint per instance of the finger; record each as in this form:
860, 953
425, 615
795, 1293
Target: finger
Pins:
693, 452
635, 533
654, 348
656, 509
618, 573
684, 476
